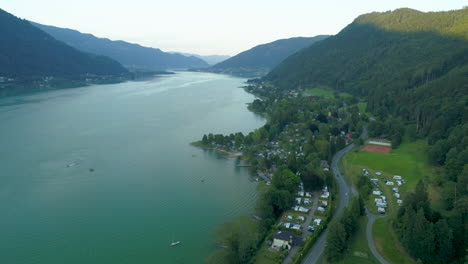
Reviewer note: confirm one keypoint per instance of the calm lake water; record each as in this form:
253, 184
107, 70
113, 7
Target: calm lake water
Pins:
145, 190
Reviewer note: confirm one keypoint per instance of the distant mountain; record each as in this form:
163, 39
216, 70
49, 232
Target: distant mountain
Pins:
259, 60
210, 59
132, 56
27, 52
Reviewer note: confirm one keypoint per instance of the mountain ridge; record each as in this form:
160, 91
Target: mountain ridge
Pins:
28, 52
131, 55
260, 59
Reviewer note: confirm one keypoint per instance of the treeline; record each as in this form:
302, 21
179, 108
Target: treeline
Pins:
427, 235
341, 229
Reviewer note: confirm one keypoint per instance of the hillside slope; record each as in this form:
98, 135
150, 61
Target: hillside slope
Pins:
132, 56
28, 52
407, 63
260, 59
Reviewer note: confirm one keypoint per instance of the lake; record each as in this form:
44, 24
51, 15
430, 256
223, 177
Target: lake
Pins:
105, 173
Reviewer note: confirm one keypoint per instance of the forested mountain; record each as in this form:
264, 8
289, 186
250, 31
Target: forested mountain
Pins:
132, 56
28, 52
412, 67
408, 63
259, 60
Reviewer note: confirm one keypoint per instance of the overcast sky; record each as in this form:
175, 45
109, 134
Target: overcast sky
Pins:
208, 26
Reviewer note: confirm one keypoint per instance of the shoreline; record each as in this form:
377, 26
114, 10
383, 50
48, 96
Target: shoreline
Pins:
200, 145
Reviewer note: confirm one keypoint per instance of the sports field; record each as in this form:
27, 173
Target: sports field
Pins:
376, 149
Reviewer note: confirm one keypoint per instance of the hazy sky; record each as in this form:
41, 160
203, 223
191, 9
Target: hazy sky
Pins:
208, 26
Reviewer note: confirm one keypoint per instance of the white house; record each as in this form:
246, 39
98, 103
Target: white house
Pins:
390, 183
317, 221
378, 173
376, 192
320, 209
397, 195
285, 239
381, 210
397, 177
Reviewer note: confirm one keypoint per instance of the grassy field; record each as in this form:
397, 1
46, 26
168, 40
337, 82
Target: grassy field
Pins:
408, 161
324, 92
387, 243
358, 251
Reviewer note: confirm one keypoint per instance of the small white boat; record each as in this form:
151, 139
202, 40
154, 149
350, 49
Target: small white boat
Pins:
175, 243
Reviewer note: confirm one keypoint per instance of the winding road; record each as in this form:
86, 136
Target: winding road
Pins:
345, 191
370, 239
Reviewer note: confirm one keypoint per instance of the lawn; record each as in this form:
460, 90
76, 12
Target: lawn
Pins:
387, 243
409, 160
324, 91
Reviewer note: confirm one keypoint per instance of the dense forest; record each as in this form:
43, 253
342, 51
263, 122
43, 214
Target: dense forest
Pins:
260, 59
412, 69
132, 56
28, 52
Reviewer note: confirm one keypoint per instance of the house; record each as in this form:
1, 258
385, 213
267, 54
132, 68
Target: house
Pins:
374, 180
378, 173
325, 195
300, 193
399, 202
381, 210
324, 165
308, 194
324, 203
285, 239
287, 225
320, 209
397, 195
390, 183
395, 189
290, 217
378, 200
301, 218
298, 200
397, 177
399, 183
376, 192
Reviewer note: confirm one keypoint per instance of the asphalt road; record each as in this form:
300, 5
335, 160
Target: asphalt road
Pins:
344, 192
370, 239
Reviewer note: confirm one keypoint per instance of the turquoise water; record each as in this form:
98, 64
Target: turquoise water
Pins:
145, 190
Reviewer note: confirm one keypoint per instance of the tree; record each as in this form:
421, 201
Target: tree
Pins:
336, 241
284, 179
443, 241
422, 242
205, 139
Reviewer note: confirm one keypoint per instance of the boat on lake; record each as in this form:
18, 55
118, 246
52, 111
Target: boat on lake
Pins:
175, 243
